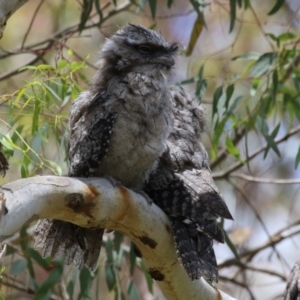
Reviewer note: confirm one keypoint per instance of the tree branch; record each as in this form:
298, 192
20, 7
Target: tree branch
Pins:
94, 202
239, 164
7, 8
264, 180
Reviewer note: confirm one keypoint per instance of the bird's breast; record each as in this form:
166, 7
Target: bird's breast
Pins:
142, 126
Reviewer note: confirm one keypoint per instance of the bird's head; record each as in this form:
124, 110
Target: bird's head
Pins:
134, 47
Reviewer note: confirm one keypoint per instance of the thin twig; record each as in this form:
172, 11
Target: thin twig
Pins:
65, 32
31, 23
276, 238
224, 153
239, 164
17, 70
239, 283
247, 199
264, 180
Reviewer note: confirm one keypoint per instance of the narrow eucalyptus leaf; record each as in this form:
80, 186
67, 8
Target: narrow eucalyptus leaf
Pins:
276, 7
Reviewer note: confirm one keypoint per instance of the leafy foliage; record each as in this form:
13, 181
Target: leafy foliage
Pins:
37, 113
260, 100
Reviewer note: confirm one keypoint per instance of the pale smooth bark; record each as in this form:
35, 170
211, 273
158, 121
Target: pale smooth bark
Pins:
7, 8
92, 202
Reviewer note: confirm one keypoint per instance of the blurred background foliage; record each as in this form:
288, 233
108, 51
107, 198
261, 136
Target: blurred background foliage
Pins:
240, 58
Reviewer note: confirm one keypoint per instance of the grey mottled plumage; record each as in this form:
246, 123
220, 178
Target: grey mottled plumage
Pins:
118, 128
292, 291
183, 187
131, 126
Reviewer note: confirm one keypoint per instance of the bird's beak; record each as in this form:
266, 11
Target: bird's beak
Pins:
167, 60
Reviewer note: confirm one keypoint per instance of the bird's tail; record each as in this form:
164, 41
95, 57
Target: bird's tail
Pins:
79, 245
195, 251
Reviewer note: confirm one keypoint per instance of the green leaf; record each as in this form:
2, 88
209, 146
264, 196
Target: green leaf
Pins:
141, 5
249, 55
275, 131
231, 148
286, 36
274, 38
98, 9
18, 266
119, 259
296, 82
39, 67
109, 252
201, 85
234, 104
263, 64
297, 160
282, 37
246, 3
25, 166
271, 145
229, 92
10, 250
15, 137
35, 116
232, 14
196, 5
274, 84
149, 279
132, 258
87, 7
45, 290
110, 276
45, 263
276, 7
8, 143
85, 279
24, 171
118, 238
262, 125
196, 31
70, 288
170, 2
218, 131
52, 92
200, 89
123, 296
217, 95
132, 291
62, 64
152, 4
153, 26
231, 245
45, 67
188, 81
55, 167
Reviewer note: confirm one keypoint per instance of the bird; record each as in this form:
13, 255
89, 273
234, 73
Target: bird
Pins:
292, 291
183, 187
132, 128
118, 129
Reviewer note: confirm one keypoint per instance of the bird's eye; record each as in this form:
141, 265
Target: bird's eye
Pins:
144, 49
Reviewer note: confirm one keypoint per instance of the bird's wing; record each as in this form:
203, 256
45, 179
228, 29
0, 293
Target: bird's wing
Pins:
90, 129
182, 186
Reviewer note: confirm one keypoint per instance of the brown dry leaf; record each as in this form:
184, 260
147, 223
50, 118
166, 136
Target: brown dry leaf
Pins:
240, 235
